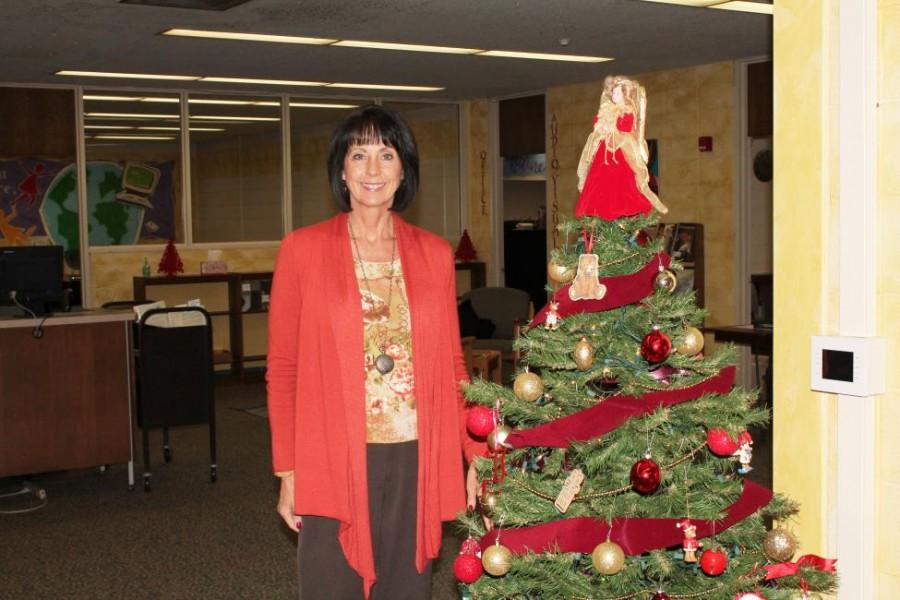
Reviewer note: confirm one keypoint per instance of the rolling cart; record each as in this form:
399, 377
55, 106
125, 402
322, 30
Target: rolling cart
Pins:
175, 377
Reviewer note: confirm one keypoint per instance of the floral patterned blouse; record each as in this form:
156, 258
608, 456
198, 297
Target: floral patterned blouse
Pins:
390, 399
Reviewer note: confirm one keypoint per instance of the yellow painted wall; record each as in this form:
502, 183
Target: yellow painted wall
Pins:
887, 474
806, 272
682, 105
113, 270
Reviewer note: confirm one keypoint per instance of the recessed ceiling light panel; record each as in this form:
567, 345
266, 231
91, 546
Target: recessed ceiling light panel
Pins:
191, 4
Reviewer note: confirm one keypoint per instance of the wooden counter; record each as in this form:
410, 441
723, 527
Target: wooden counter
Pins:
66, 392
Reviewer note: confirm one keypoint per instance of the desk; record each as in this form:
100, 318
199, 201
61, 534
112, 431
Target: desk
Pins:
66, 397
759, 339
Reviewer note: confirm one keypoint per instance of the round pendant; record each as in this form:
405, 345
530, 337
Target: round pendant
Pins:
384, 364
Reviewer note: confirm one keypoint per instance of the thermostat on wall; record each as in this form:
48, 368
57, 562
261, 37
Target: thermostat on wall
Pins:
853, 366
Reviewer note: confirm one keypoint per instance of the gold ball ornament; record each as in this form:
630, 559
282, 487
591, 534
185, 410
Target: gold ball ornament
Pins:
496, 438
560, 273
489, 502
608, 558
780, 545
528, 386
497, 560
690, 342
584, 354
665, 280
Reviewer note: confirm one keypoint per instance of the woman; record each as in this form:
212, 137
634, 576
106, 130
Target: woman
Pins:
612, 174
364, 370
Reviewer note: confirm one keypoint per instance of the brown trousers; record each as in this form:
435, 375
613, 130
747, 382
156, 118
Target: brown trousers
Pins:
323, 570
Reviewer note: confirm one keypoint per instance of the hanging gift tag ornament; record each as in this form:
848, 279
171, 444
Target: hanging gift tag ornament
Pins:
480, 421
690, 342
665, 280
586, 285
584, 354
780, 545
570, 488
497, 560
645, 475
608, 558
528, 386
656, 346
713, 562
559, 273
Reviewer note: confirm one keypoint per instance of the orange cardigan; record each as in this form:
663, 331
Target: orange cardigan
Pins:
316, 384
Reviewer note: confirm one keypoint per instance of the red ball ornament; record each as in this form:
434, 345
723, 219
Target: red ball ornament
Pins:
645, 475
480, 421
720, 443
660, 596
656, 346
467, 568
713, 562
470, 547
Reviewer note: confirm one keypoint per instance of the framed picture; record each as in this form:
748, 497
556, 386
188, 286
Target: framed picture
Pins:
683, 244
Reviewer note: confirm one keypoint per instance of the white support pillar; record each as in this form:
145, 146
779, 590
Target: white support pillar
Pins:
856, 427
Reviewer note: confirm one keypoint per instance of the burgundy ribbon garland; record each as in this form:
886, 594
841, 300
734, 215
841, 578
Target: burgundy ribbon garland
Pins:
621, 290
635, 536
612, 412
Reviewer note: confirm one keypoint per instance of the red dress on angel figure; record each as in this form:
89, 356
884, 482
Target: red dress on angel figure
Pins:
610, 189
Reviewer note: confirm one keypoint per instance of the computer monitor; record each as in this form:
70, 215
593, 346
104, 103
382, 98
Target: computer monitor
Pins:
139, 181
31, 277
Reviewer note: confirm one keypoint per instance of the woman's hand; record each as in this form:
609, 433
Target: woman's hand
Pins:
473, 491
285, 506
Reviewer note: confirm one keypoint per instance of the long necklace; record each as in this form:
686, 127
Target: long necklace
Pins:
383, 363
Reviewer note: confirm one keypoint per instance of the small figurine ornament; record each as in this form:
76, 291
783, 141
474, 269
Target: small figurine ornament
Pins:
690, 544
612, 173
586, 285
744, 453
551, 319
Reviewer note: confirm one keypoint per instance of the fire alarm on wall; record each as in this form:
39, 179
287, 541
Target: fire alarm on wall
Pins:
704, 143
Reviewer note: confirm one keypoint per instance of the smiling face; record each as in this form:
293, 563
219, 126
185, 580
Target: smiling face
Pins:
373, 173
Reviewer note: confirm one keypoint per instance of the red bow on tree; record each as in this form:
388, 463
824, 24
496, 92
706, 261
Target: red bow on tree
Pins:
786, 569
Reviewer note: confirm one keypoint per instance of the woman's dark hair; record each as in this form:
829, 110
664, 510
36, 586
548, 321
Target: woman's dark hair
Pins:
374, 124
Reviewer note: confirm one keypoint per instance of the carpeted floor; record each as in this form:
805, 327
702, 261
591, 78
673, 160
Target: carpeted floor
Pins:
188, 538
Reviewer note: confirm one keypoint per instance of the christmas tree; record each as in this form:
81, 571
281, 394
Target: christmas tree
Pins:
170, 263
618, 460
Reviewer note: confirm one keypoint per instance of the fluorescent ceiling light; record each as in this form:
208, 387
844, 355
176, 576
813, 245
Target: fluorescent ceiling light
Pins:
250, 37
127, 75
130, 115
744, 6
263, 81
110, 98
153, 138
377, 86
406, 47
321, 105
543, 56
697, 3
147, 128
230, 118
108, 127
